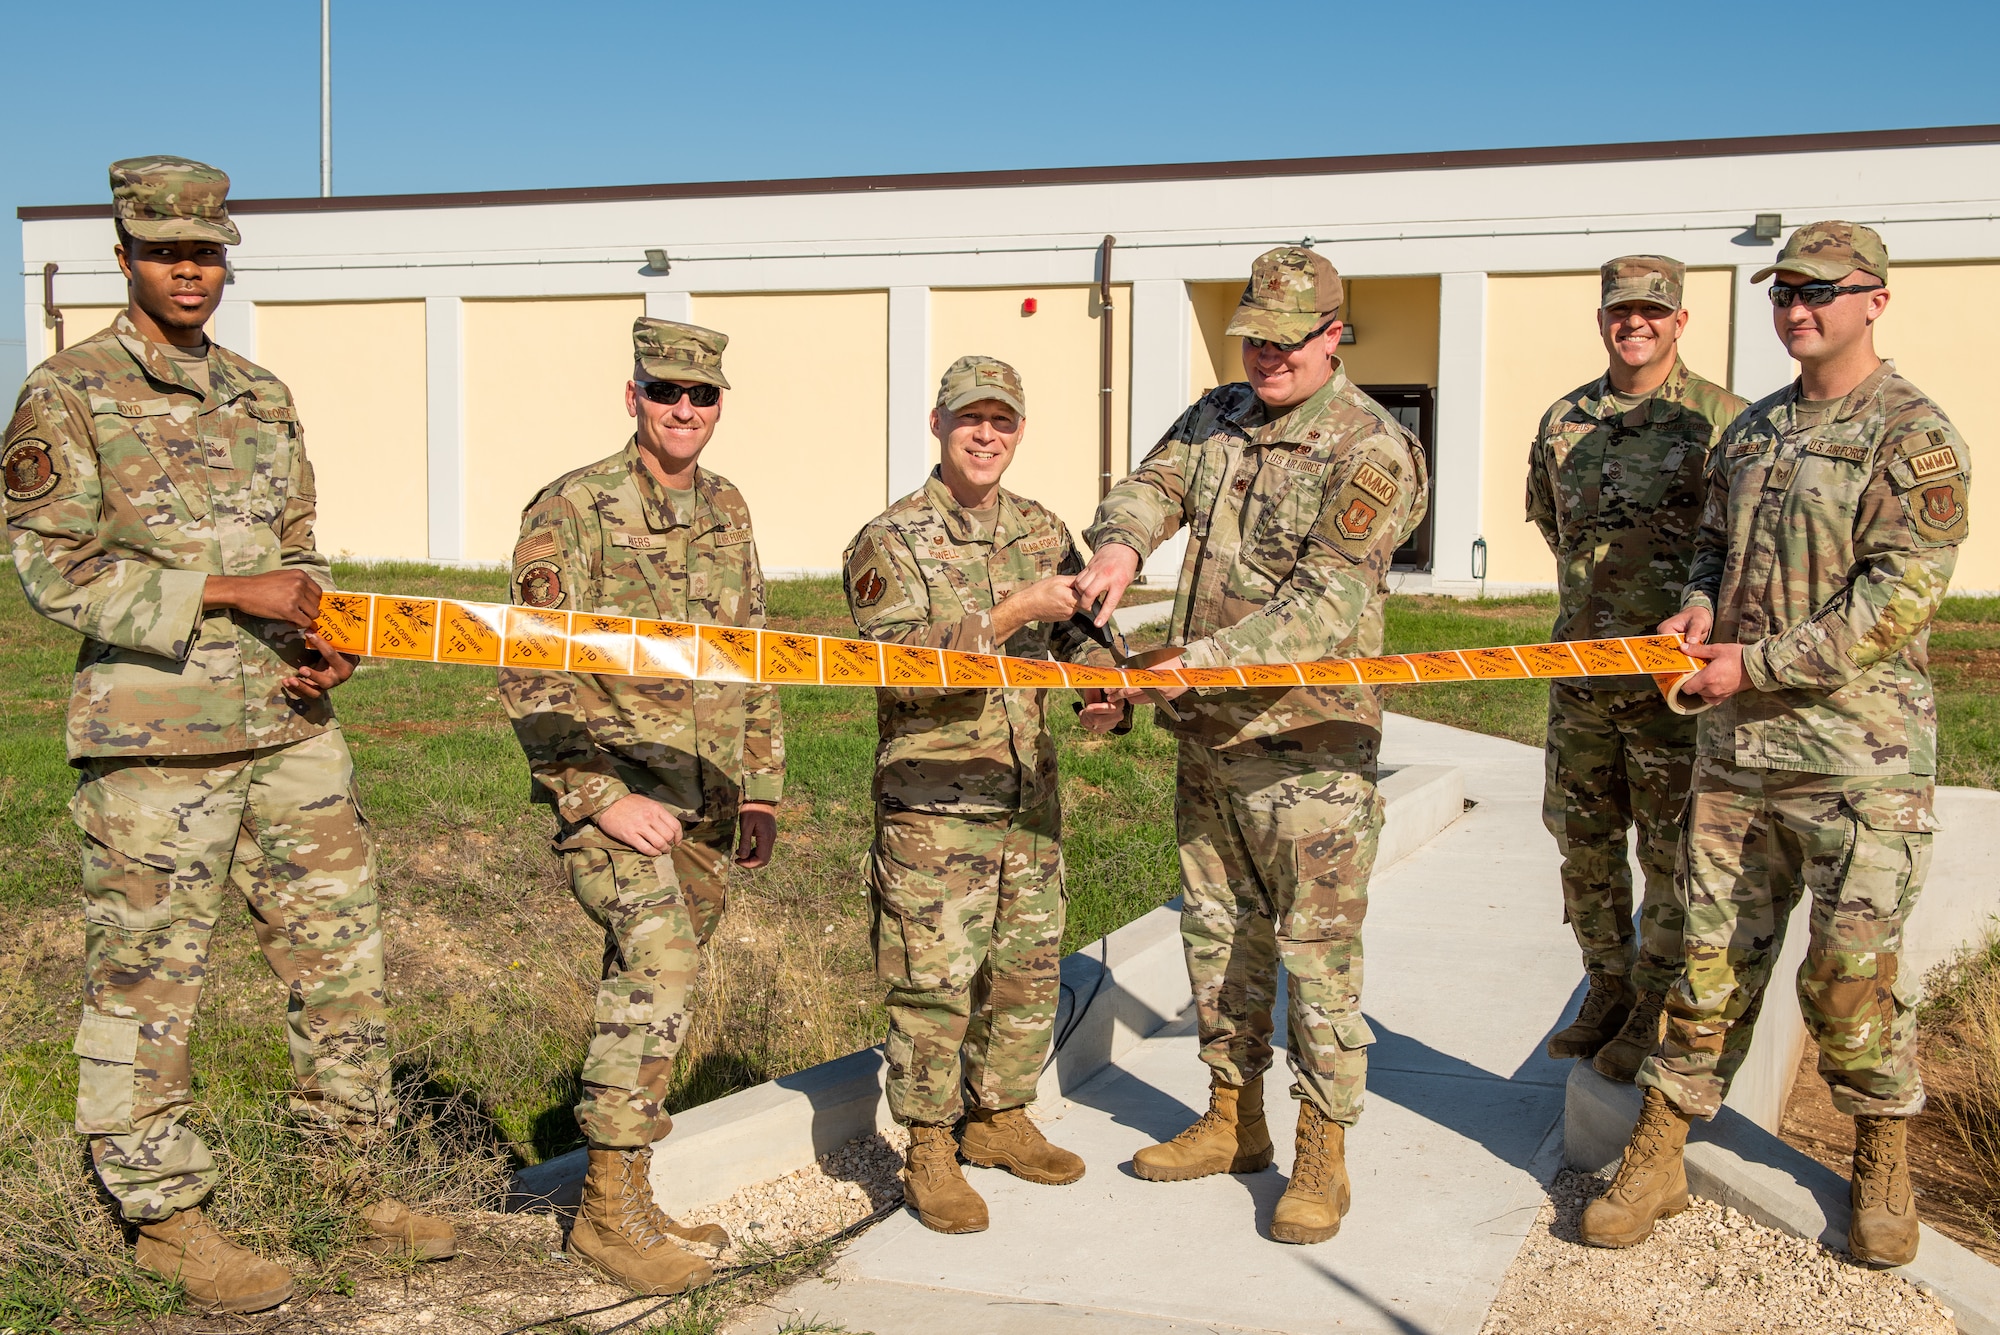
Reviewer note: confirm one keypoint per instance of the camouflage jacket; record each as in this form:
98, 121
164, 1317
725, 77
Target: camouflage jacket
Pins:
127, 487
1293, 523
923, 573
1826, 550
609, 538
1618, 497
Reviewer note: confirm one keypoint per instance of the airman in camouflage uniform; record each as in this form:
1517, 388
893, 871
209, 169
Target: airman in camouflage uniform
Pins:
1297, 489
1834, 514
1615, 482
966, 873
159, 502
652, 780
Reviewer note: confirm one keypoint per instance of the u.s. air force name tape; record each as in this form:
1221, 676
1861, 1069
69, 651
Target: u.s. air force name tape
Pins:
442, 630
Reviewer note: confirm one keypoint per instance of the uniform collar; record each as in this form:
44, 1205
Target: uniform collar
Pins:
958, 521
1858, 399
663, 507
1663, 405
162, 369
1297, 425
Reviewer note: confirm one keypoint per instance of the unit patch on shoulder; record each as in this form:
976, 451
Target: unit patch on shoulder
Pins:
868, 574
29, 471
540, 583
1357, 521
869, 588
544, 543
1377, 484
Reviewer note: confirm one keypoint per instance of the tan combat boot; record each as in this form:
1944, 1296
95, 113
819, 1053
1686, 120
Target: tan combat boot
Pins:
1639, 1039
1652, 1181
393, 1229
1319, 1193
1010, 1139
1882, 1229
1230, 1137
1603, 1013
934, 1185
215, 1271
622, 1232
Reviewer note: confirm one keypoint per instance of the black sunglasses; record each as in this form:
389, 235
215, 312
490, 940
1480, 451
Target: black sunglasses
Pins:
667, 392
1261, 343
1815, 294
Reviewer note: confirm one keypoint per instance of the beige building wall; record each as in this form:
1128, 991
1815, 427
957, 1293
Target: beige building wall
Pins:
544, 393
1214, 358
79, 323
1952, 359
805, 426
1542, 342
1056, 352
356, 371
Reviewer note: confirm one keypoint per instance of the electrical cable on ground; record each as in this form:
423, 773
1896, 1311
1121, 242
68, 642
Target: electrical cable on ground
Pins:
721, 1277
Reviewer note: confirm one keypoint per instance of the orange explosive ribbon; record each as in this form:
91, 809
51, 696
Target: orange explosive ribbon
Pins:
443, 630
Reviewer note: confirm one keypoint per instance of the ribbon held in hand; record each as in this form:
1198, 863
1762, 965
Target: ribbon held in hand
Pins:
444, 630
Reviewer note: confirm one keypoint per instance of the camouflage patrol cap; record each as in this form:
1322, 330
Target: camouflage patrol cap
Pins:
669, 351
162, 198
1652, 278
1292, 291
974, 379
1830, 251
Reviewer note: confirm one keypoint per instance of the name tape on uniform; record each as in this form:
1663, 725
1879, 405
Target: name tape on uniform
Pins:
443, 630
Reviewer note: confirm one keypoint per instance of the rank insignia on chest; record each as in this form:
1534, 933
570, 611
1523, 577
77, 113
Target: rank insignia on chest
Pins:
1357, 520
29, 471
869, 587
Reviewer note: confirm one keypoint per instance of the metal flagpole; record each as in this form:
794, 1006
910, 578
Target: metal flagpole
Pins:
325, 97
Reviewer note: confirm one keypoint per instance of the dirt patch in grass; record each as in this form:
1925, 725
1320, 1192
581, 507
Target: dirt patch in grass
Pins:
1969, 666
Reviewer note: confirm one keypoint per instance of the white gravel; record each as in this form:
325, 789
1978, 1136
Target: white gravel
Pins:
801, 1208
1707, 1271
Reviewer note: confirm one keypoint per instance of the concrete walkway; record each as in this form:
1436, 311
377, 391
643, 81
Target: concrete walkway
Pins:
1469, 968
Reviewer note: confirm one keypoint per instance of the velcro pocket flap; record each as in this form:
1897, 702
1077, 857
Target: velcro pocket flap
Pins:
1353, 1031
108, 1038
116, 821
1901, 811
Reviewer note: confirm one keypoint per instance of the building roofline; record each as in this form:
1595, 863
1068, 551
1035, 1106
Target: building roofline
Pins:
1935, 136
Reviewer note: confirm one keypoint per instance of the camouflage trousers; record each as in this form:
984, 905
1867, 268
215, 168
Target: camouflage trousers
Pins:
967, 930
657, 914
1616, 759
164, 834
1757, 840
1275, 856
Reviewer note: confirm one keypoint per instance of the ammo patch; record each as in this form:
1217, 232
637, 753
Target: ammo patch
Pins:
543, 543
541, 584
29, 471
1934, 462
1834, 449
1377, 484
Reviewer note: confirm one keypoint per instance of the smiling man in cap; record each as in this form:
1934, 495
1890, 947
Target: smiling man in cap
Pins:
652, 781
1296, 488
159, 502
1616, 476
966, 876
1834, 514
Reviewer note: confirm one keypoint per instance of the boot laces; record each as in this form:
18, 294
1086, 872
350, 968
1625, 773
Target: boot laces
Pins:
1649, 1141
1601, 997
1876, 1169
639, 1216
933, 1156
1310, 1169
1208, 1122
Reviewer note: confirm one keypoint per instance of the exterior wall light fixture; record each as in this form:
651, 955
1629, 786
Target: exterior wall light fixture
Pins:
1768, 227
656, 260
1349, 334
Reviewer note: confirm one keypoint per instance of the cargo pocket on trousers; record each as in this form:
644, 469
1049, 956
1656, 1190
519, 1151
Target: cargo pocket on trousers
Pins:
1327, 902
107, 1048
1353, 1032
624, 1037
131, 859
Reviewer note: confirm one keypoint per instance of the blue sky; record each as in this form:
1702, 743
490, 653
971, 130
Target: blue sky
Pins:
431, 96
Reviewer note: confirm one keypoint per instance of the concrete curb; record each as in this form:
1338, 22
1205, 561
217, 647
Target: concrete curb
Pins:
1116, 992
1733, 1161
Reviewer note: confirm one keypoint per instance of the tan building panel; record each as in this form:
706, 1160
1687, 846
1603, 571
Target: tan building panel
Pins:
1056, 352
544, 393
1951, 358
805, 426
1395, 331
1214, 358
79, 323
1542, 342
356, 371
